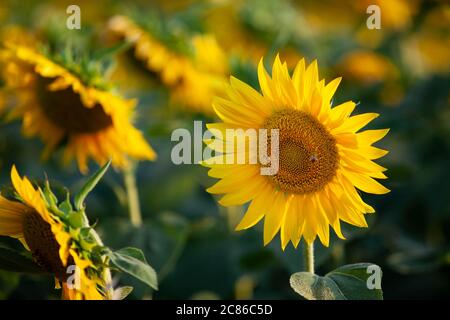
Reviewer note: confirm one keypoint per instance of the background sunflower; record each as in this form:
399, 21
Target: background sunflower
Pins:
56, 104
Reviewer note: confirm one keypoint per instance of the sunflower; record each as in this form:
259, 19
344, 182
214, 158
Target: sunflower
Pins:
323, 158
427, 49
18, 35
194, 71
204, 77
241, 39
367, 67
59, 106
54, 243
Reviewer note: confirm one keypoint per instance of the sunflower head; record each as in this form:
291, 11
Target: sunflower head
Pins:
59, 238
194, 70
63, 243
323, 157
66, 103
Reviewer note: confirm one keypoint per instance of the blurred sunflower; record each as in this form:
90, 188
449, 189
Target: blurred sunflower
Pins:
326, 16
322, 156
243, 30
224, 21
427, 50
18, 35
367, 67
58, 105
33, 218
205, 77
341, 18
194, 71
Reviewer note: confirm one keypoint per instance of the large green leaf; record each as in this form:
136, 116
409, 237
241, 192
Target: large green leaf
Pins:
313, 287
163, 239
361, 281
133, 262
8, 282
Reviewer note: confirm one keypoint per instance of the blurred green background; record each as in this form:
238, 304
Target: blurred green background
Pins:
400, 71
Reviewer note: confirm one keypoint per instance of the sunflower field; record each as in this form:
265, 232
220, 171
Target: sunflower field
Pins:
122, 175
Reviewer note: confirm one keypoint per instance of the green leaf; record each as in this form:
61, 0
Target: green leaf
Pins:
89, 186
8, 282
313, 287
132, 261
361, 281
16, 261
122, 292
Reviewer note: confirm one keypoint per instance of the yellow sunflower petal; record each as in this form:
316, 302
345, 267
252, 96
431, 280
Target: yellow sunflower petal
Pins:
340, 113
256, 210
265, 82
309, 211
354, 123
369, 137
290, 223
243, 194
275, 214
11, 218
365, 183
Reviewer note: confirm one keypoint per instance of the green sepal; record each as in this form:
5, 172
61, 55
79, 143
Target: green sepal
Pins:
66, 205
89, 186
86, 241
51, 200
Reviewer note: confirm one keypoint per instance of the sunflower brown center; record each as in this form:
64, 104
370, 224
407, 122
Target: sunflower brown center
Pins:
65, 110
308, 156
43, 245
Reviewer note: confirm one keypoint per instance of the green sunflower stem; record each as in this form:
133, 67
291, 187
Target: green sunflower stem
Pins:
107, 278
134, 207
309, 257
106, 274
